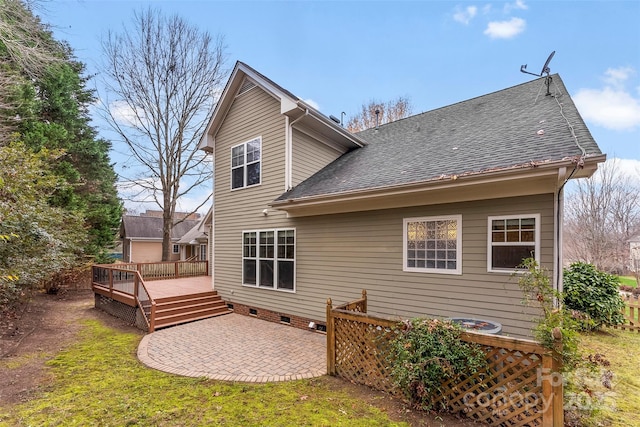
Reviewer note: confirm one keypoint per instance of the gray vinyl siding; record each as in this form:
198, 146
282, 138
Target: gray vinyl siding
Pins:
338, 255
309, 156
254, 113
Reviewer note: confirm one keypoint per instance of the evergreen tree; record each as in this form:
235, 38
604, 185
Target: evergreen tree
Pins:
45, 102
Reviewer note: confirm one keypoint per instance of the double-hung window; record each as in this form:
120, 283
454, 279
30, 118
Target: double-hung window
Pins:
245, 163
511, 239
433, 244
268, 259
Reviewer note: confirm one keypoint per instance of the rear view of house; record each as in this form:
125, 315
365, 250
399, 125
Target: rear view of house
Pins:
431, 214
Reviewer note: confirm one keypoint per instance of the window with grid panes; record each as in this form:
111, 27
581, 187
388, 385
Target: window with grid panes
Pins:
268, 259
511, 239
433, 244
245, 163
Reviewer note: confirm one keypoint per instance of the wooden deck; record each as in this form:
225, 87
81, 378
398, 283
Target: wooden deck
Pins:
166, 293
178, 287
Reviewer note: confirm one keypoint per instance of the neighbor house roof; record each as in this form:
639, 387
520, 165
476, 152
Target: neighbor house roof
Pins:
515, 128
199, 233
148, 227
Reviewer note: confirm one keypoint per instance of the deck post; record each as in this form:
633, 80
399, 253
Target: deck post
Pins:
111, 283
152, 321
135, 287
364, 300
177, 270
331, 340
558, 385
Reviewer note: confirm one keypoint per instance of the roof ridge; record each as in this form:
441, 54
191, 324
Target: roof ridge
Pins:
461, 102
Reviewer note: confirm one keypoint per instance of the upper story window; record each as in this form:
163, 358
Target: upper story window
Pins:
512, 238
433, 244
245, 163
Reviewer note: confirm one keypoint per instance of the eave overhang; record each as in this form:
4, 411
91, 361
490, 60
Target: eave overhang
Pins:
520, 180
290, 106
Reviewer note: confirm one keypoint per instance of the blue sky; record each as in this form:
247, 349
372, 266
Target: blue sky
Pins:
340, 55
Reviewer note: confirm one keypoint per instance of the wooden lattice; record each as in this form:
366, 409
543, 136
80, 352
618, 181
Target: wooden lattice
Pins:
521, 386
362, 353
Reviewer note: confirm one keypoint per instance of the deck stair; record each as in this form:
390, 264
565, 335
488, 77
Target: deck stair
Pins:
179, 309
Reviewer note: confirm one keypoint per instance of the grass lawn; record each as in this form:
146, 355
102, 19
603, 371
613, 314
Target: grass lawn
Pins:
622, 406
628, 281
99, 381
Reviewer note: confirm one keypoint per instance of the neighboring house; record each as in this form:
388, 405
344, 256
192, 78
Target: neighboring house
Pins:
142, 237
430, 214
194, 244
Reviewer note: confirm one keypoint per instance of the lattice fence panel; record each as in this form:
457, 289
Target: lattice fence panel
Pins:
361, 354
509, 393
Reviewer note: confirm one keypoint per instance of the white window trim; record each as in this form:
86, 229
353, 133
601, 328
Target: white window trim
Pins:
275, 259
458, 270
173, 248
490, 244
244, 165
206, 250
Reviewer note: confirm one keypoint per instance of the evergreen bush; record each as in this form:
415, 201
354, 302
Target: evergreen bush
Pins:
595, 293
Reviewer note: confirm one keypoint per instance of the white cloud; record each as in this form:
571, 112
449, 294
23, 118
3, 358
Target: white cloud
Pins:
505, 29
312, 103
464, 16
627, 167
517, 5
616, 77
122, 113
612, 106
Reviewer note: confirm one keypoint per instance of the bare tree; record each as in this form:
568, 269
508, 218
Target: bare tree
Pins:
389, 111
164, 74
601, 215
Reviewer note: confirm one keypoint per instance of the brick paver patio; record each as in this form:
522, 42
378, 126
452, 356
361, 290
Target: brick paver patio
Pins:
236, 348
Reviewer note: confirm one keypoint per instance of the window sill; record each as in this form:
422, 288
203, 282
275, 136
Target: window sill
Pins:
287, 291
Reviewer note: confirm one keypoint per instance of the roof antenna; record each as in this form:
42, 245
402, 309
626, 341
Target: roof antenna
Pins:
545, 69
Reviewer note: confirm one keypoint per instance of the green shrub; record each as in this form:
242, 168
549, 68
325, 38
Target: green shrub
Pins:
595, 293
426, 353
557, 324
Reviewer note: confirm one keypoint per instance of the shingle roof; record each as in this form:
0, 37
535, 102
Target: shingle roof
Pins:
502, 130
193, 234
147, 227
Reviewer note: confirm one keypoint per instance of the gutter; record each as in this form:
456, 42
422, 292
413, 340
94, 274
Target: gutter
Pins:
312, 112
442, 182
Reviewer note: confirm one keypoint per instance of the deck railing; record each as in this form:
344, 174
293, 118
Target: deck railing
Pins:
166, 270
521, 387
126, 282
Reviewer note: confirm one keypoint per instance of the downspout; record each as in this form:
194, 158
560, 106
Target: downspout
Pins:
289, 150
558, 207
558, 201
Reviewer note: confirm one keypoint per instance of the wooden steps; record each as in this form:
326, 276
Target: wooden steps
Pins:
175, 310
